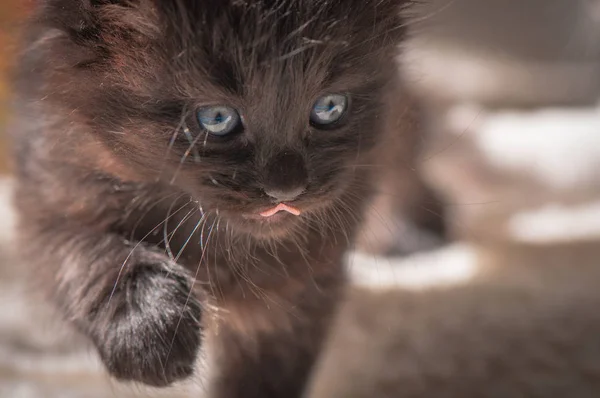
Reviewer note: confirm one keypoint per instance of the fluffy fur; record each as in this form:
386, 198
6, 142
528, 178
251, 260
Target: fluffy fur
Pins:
135, 221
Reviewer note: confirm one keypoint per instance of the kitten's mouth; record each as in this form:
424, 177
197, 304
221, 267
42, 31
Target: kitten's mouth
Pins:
281, 207
275, 214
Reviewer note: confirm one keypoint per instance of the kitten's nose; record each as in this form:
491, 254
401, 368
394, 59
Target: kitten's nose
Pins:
285, 195
286, 176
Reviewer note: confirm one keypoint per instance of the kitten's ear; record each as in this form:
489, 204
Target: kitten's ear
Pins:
381, 18
85, 19
67, 15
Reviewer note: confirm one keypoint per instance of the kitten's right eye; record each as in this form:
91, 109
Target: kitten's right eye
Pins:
219, 120
328, 110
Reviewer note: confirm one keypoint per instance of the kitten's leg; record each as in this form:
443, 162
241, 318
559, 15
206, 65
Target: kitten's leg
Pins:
405, 215
276, 363
130, 300
402, 221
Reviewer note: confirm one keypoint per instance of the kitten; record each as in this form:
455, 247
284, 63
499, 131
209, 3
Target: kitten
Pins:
194, 170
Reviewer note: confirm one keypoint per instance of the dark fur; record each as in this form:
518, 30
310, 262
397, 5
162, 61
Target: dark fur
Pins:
138, 234
404, 216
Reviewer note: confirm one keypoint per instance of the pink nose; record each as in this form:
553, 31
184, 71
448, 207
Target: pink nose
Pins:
282, 195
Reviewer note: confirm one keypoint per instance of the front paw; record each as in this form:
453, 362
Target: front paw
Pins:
148, 329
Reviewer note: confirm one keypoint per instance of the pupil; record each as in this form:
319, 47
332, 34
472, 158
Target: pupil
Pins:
219, 118
331, 106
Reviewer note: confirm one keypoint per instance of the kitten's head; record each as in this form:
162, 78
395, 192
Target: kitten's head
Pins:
244, 104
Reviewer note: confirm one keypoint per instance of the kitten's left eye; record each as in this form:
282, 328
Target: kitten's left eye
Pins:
328, 110
219, 120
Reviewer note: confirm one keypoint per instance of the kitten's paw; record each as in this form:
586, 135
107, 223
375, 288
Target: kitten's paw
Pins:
149, 331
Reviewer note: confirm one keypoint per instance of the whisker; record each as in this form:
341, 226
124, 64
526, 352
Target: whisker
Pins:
172, 142
190, 139
145, 213
191, 147
191, 290
165, 230
187, 241
136, 246
189, 215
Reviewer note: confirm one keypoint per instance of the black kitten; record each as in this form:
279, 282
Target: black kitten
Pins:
196, 168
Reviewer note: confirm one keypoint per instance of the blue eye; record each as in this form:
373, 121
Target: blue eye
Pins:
219, 120
329, 109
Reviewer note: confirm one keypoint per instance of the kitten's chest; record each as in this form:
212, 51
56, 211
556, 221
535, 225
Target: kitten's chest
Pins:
237, 269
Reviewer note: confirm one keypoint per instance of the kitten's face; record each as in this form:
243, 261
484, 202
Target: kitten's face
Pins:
246, 105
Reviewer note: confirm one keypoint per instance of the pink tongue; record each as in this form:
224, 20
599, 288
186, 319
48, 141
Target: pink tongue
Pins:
280, 207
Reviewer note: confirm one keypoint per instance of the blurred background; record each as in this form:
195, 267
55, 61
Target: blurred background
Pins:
12, 13
509, 90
